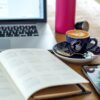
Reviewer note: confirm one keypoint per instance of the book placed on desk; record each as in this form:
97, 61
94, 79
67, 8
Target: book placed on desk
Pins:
28, 74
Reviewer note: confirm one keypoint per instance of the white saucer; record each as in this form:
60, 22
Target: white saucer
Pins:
62, 52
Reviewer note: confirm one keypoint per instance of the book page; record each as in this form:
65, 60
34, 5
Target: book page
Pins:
34, 69
7, 92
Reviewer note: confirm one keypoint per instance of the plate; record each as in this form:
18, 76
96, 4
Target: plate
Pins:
62, 51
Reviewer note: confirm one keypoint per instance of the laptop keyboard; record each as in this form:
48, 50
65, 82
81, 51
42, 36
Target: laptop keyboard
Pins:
18, 30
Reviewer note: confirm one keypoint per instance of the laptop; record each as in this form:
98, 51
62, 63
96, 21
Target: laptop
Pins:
23, 24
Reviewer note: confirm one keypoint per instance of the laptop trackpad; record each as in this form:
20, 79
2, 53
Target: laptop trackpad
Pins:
5, 44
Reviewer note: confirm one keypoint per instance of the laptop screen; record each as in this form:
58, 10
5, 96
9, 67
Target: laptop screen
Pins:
11, 10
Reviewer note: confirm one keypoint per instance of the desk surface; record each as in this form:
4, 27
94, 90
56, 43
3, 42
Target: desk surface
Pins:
77, 68
94, 30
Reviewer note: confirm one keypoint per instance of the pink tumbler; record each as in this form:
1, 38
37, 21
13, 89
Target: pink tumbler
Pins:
65, 15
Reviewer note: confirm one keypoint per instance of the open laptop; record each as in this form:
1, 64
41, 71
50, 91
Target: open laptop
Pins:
23, 24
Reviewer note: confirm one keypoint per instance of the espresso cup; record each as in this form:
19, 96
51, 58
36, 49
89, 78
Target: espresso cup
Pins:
79, 40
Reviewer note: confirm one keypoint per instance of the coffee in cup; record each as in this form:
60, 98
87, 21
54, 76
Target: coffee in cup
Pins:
78, 41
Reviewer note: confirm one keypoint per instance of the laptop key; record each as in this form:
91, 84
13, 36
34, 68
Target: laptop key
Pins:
15, 35
8, 34
1, 34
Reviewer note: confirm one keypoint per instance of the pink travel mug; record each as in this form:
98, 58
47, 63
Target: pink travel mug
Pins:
65, 15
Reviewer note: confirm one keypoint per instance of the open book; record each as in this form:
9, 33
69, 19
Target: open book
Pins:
28, 74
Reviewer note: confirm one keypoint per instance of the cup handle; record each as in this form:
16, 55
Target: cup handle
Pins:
94, 44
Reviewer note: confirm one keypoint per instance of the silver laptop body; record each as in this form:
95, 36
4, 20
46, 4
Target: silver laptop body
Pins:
25, 12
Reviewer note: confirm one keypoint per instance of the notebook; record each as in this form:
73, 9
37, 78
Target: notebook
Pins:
17, 17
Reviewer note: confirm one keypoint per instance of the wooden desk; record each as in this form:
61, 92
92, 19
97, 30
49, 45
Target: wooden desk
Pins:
93, 17
77, 67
